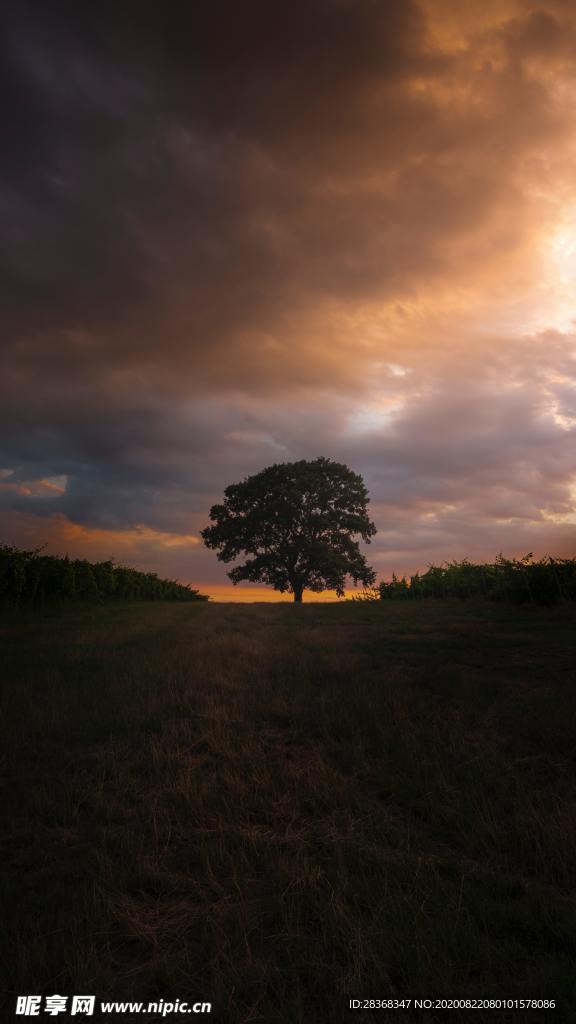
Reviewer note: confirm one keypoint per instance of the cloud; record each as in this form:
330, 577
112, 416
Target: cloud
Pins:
243, 233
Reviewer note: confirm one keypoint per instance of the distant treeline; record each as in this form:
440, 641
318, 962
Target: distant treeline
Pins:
507, 579
30, 576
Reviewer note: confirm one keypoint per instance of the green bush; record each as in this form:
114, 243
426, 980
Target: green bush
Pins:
30, 576
518, 581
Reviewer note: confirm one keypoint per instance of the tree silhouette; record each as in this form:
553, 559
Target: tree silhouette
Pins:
297, 520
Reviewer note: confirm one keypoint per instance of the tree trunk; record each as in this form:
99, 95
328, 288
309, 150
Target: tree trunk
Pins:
298, 591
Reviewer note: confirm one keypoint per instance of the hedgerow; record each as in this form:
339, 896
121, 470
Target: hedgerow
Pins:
32, 577
546, 581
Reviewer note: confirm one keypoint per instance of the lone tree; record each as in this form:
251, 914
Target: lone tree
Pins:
297, 520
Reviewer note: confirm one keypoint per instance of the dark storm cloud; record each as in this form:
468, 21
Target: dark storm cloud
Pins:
183, 178
133, 142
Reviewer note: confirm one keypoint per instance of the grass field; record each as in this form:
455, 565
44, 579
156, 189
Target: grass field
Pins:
279, 808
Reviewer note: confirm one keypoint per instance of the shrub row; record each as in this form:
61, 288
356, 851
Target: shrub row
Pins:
546, 581
36, 578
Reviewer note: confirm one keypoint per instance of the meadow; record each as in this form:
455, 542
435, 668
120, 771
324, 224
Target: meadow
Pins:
279, 808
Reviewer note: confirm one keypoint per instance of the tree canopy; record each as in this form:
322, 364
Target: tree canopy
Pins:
297, 522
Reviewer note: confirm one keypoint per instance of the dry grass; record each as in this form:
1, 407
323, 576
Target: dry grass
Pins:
280, 808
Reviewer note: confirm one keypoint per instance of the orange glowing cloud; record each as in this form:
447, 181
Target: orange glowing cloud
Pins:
46, 487
126, 540
60, 535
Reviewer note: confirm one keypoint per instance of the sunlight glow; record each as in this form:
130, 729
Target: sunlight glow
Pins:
559, 275
563, 249
373, 417
248, 593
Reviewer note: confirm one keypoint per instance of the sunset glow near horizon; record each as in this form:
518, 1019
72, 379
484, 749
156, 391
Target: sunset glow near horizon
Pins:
257, 233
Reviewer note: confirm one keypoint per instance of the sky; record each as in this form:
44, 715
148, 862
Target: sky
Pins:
236, 234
